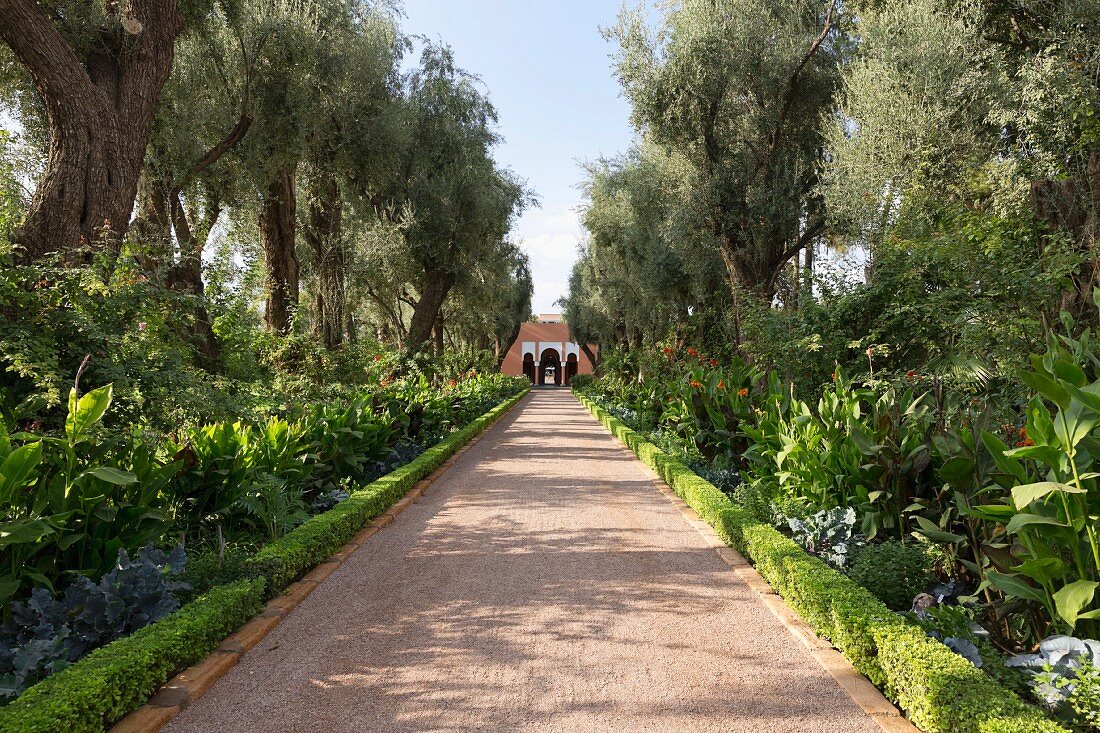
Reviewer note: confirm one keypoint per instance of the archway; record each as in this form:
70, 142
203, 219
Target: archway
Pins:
571, 366
529, 366
550, 367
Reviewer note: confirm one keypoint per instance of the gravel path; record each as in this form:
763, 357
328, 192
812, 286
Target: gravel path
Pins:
542, 584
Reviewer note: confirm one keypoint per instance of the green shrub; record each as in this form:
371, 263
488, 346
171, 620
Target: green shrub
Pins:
104, 686
939, 691
895, 572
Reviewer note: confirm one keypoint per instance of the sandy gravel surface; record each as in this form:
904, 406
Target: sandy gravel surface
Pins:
543, 584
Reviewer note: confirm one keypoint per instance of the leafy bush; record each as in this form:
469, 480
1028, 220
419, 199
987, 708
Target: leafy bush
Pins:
894, 571
45, 634
939, 691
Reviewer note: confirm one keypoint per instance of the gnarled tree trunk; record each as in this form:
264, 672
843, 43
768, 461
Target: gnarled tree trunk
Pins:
278, 224
324, 235
99, 110
437, 284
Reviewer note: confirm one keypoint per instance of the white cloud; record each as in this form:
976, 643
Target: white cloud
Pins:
550, 237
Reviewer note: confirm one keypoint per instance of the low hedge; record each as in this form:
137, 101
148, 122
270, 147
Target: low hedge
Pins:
115, 679
939, 691
104, 686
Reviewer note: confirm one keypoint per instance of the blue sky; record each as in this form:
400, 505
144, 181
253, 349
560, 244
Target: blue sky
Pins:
547, 71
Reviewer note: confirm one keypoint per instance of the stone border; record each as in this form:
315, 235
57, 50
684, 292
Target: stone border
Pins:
195, 681
860, 689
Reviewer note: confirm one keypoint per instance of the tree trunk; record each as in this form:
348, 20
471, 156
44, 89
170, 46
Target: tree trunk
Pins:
278, 225
325, 238
437, 284
99, 112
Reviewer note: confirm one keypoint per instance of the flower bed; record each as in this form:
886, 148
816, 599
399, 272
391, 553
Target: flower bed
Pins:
938, 690
100, 689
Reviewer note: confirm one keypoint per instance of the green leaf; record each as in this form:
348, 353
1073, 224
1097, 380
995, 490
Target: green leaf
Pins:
932, 531
1014, 586
86, 411
112, 475
1088, 399
1052, 390
1071, 599
1020, 521
1023, 496
1043, 570
17, 469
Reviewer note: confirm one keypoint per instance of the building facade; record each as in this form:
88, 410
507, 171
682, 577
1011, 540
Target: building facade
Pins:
544, 354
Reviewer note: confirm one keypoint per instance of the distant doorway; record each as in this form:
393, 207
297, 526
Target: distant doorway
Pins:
571, 365
550, 367
529, 366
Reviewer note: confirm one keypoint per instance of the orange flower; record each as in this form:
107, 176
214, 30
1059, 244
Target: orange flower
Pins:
713, 362
721, 384
1025, 443
667, 351
692, 352
743, 392
1023, 432
378, 357
696, 384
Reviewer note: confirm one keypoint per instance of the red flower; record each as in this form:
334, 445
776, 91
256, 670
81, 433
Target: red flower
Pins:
834, 376
910, 375
667, 351
713, 362
453, 382
696, 384
692, 352
378, 357
743, 392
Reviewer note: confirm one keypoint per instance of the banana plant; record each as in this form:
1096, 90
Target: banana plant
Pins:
1054, 521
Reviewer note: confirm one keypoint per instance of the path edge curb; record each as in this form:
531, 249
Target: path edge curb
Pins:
195, 681
854, 684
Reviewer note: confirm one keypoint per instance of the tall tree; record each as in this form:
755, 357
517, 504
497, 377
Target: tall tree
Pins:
738, 88
455, 202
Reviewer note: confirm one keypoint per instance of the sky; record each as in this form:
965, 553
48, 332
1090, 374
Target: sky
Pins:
548, 73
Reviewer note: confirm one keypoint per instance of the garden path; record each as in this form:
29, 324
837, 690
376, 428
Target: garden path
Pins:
542, 584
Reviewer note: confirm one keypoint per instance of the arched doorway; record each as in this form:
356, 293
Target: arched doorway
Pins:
529, 366
550, 367
571, 365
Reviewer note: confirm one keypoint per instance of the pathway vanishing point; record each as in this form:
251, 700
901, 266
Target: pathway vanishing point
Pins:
542, 584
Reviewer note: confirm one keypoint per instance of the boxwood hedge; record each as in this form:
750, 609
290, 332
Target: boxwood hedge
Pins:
100, 689
939, 691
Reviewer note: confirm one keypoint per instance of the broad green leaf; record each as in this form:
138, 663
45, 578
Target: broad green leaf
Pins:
1020, 521
1049, 388
1071, 599
86, 411
932, 531
1014, 586
1089, 399
17, 469
112, 475
1043, 570
1023, 496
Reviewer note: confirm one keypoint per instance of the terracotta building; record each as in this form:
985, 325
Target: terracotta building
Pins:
544, 354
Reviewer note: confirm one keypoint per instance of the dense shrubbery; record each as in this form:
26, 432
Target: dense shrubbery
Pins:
1007, 509
72, 505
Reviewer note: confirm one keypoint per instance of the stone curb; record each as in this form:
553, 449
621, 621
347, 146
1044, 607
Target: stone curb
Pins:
194, 682
860, 689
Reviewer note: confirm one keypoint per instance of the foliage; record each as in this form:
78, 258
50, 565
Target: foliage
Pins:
1064, 675
47, 635
894, 571
113, 680
938, 690
829, 534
